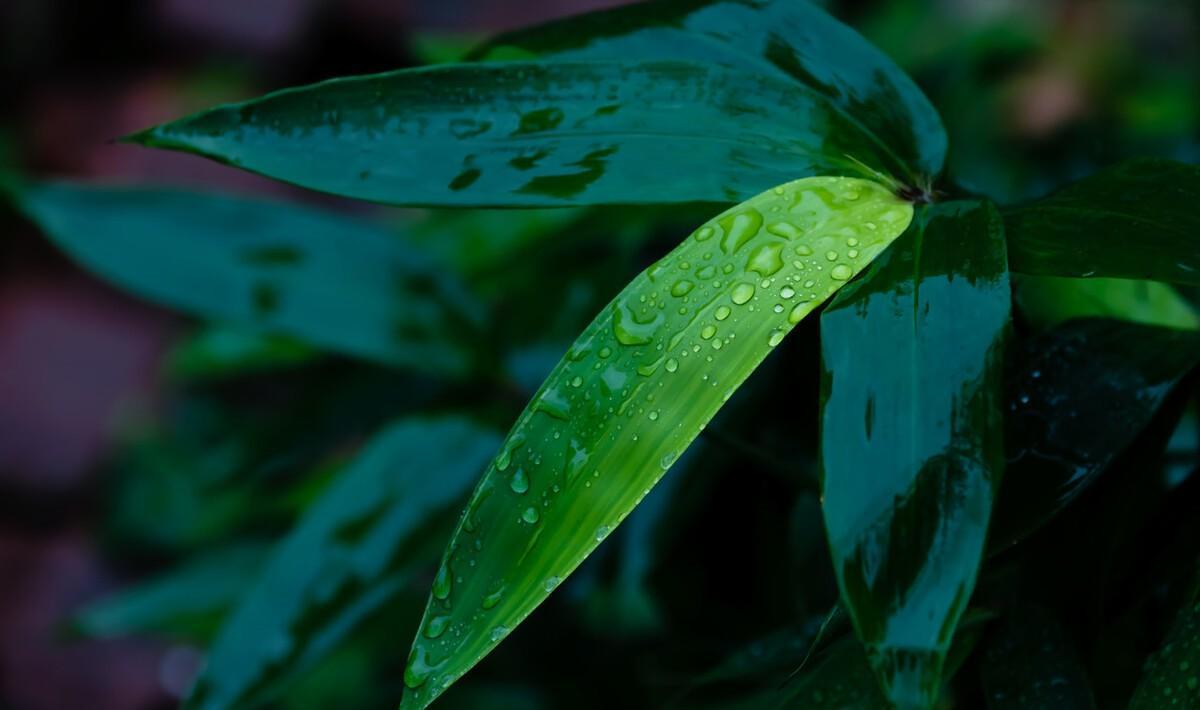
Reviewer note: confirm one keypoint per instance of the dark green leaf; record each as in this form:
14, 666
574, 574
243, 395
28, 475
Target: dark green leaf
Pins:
1172, 677
630, 396
328, 280
857, 89
359, 545
1030, 664
187, 601
1137, 220
533, 134
1078, 396
911, 439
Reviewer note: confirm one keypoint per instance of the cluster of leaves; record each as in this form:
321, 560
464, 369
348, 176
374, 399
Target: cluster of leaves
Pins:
982, 376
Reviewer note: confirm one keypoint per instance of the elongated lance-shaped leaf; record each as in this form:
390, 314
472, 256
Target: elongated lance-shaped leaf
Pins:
533, 134
331, 281
635, 389
858, 90
351, 553
912, 437
1136, 220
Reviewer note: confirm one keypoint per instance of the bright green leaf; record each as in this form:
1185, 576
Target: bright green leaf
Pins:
216, 351
864, 104
1046, 301
631, 394
1137, 220
912, 437
1172, 677
328, 280
529, 134
360, 544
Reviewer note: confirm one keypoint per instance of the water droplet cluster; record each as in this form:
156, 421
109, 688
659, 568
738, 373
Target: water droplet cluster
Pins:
632, 393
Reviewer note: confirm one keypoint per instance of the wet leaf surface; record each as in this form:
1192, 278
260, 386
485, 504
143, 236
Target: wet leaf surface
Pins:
859, 91
532, 134
911, 438
632, 393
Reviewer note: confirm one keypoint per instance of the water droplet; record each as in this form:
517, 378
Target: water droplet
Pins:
740, 228
502, 459
804, 250
704, 233
436, 626
519, 482
682, 288
831, 255
708, 331
797, 314
706, 272
602, 532
766, 259
605, 352
742, 292
576, 381
551, 583
785, 229
778, 308
494, 598
722, 312
653, 415
775, 338
672, 365
841, 272
853, 253
787, 292
666, 461
851, 242
727, 269
499, 632
442, 583
530, 515
631, 331
418, 669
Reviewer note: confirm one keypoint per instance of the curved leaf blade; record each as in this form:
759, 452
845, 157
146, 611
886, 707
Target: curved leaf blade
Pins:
1047, 301
528, 134
861, 91
355, 549
1136, 220
912, 437
631, 394
1078, 397
268, 267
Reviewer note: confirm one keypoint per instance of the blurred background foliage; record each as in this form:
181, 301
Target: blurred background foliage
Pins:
152, 467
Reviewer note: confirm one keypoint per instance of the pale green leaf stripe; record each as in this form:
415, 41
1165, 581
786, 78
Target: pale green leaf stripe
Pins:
338, 283
632, 393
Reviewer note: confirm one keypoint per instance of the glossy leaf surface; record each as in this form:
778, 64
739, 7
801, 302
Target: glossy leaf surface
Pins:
352, 552
1078, 396
331, 281
859, 93
1029, 663
529, 134
912, 437
1172, 677
1047, 301
1137, 220
631, 394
